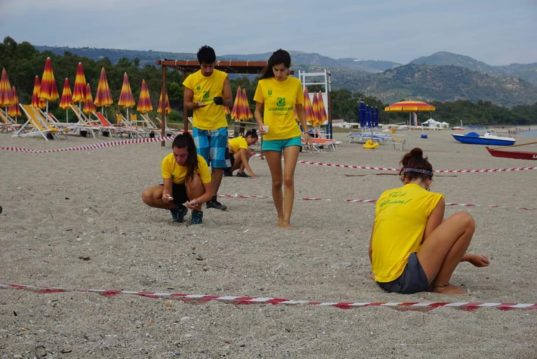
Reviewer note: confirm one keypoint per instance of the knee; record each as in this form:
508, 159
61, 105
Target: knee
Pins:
277, 183
466, 219
146, 196
289, 182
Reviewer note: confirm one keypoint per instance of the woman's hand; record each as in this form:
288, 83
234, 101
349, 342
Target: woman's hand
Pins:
193, 204
306, 137
167, 198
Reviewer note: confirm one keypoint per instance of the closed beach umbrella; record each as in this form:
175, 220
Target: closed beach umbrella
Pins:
247, 111
67, 98
322, 110
79, 88
144, 102
37, 102
316, 109
308, 108
89, 106
48, 90
126, 99
164, 104
103, 96
14, 109
235, 108
410, 106
6, 95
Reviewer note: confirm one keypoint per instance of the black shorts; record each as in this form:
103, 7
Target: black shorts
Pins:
179, 193
412, 280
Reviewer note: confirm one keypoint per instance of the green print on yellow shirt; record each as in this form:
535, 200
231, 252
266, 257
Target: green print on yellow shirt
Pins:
206, 95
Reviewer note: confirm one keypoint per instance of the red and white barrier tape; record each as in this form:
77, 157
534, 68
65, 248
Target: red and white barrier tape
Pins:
372, 201
243, 300
88, 147
375, 168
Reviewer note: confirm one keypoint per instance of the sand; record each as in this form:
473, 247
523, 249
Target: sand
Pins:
76, 220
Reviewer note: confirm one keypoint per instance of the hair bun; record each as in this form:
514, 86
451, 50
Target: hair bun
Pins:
416, 153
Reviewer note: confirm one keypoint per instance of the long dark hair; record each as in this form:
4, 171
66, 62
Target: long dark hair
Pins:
185, 140
278, 57
414, 166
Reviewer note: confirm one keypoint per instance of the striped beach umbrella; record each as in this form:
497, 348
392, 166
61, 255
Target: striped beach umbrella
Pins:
14, 109
6, 95
144, 102
67, 98
79, 88
246, 104
308, 108
126, 100
103, 96
322, 110
164, 104
48, 90
37, 102
235, 109
316, 110
89, 106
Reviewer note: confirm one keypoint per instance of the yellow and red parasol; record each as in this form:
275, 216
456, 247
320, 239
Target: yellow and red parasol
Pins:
36, 101
48, 90
67, 98
103, 96
166, 104
234, 110
6, 95
308, 108
411, 107
79, 88
126, 99
14, 110
246, 105
322, 111
144, 102
89, 106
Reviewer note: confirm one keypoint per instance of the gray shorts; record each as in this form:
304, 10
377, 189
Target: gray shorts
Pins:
412, 280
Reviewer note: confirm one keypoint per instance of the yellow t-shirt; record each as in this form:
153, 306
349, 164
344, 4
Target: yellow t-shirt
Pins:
279, 99
206, 88
400, 218
237, 143
171, 169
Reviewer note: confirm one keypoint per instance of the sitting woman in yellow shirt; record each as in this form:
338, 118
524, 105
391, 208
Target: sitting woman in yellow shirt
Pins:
412, 248
241, 153
186, 182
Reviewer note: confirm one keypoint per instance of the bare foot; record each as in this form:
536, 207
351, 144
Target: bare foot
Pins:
449, 289
476, 259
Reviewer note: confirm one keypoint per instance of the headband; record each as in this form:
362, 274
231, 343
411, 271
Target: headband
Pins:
417, 170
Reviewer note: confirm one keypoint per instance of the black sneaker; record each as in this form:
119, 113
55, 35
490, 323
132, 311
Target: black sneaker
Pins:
178, 213
213, 203
197, 217
242, 174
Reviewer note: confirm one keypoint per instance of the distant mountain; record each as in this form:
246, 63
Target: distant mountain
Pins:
442, 76
440, 83
526, 72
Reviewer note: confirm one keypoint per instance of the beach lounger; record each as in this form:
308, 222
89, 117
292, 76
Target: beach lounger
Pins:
36, 125
7, 124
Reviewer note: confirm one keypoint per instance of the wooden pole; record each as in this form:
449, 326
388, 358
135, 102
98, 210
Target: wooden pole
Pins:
163, 107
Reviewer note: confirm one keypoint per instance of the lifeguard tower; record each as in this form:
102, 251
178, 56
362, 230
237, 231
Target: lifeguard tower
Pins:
314, 80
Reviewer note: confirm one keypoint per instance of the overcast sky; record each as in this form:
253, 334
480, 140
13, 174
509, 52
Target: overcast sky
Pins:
498, 32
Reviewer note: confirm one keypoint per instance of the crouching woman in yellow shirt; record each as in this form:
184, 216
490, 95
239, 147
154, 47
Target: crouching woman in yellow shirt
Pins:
186, 182
412, 248
241, 153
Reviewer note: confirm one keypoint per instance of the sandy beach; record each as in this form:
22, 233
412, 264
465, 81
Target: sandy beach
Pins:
76, 220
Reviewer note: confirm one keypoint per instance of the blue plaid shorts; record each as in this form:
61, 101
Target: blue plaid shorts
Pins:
212, 145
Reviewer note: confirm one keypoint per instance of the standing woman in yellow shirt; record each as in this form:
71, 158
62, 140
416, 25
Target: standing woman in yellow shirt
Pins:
412, 248
186, 181
278, 96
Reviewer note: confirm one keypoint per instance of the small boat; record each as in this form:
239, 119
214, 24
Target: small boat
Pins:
488, 138
521, 155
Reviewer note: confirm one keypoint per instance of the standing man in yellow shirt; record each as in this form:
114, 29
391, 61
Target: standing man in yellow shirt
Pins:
207, 91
